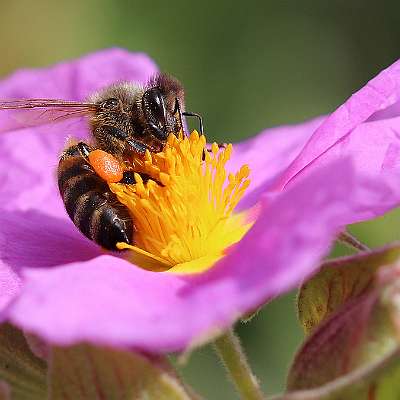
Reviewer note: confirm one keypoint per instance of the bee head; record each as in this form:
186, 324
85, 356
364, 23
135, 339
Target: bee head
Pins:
145, 115
161, 106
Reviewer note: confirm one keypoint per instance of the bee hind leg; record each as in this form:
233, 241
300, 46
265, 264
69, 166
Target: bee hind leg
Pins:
128, 177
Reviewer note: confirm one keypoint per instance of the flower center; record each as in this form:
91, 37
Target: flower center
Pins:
183, 215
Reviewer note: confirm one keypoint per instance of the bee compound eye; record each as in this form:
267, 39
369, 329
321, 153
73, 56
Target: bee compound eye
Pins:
110, 104
154, 106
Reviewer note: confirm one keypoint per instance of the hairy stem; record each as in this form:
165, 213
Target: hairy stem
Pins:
232, 355
351, 241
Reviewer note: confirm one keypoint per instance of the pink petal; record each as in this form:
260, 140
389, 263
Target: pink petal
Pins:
374, 148
268, 154
378, 100
33, 239
10, 284
36, 240
107, 300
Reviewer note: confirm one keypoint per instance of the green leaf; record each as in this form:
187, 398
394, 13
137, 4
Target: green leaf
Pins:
360, 334
24, 373
86, 372
355, 352
338, 281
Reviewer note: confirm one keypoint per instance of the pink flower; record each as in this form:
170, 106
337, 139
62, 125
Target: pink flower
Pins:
57, 284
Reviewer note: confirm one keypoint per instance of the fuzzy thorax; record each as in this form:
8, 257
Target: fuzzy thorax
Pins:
184, 220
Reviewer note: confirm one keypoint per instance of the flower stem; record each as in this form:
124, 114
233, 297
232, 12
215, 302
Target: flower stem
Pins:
230, 352
351, 241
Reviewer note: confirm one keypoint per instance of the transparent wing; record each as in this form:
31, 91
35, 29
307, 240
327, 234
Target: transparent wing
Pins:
17, 114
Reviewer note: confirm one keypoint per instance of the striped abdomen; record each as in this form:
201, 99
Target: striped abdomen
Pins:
90, 204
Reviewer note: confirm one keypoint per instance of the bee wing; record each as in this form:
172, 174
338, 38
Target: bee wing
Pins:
17, 114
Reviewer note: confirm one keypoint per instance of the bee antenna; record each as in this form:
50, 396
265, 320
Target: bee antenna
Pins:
198, 116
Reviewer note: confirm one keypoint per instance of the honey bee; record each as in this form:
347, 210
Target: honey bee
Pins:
123, 118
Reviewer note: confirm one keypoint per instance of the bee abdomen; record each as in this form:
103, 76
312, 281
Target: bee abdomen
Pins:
91, 205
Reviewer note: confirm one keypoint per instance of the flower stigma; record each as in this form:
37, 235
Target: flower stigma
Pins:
183, 216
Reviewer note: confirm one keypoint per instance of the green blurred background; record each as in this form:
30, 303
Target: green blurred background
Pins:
246, 66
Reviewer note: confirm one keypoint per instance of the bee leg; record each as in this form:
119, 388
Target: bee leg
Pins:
119, 134
129, 178
84, 150
115, 132
136, 146
76, 149
220, 146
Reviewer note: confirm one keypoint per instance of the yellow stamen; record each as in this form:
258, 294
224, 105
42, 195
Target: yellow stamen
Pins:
184, 217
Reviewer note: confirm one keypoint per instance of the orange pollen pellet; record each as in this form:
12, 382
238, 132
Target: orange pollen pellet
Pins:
106, 166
